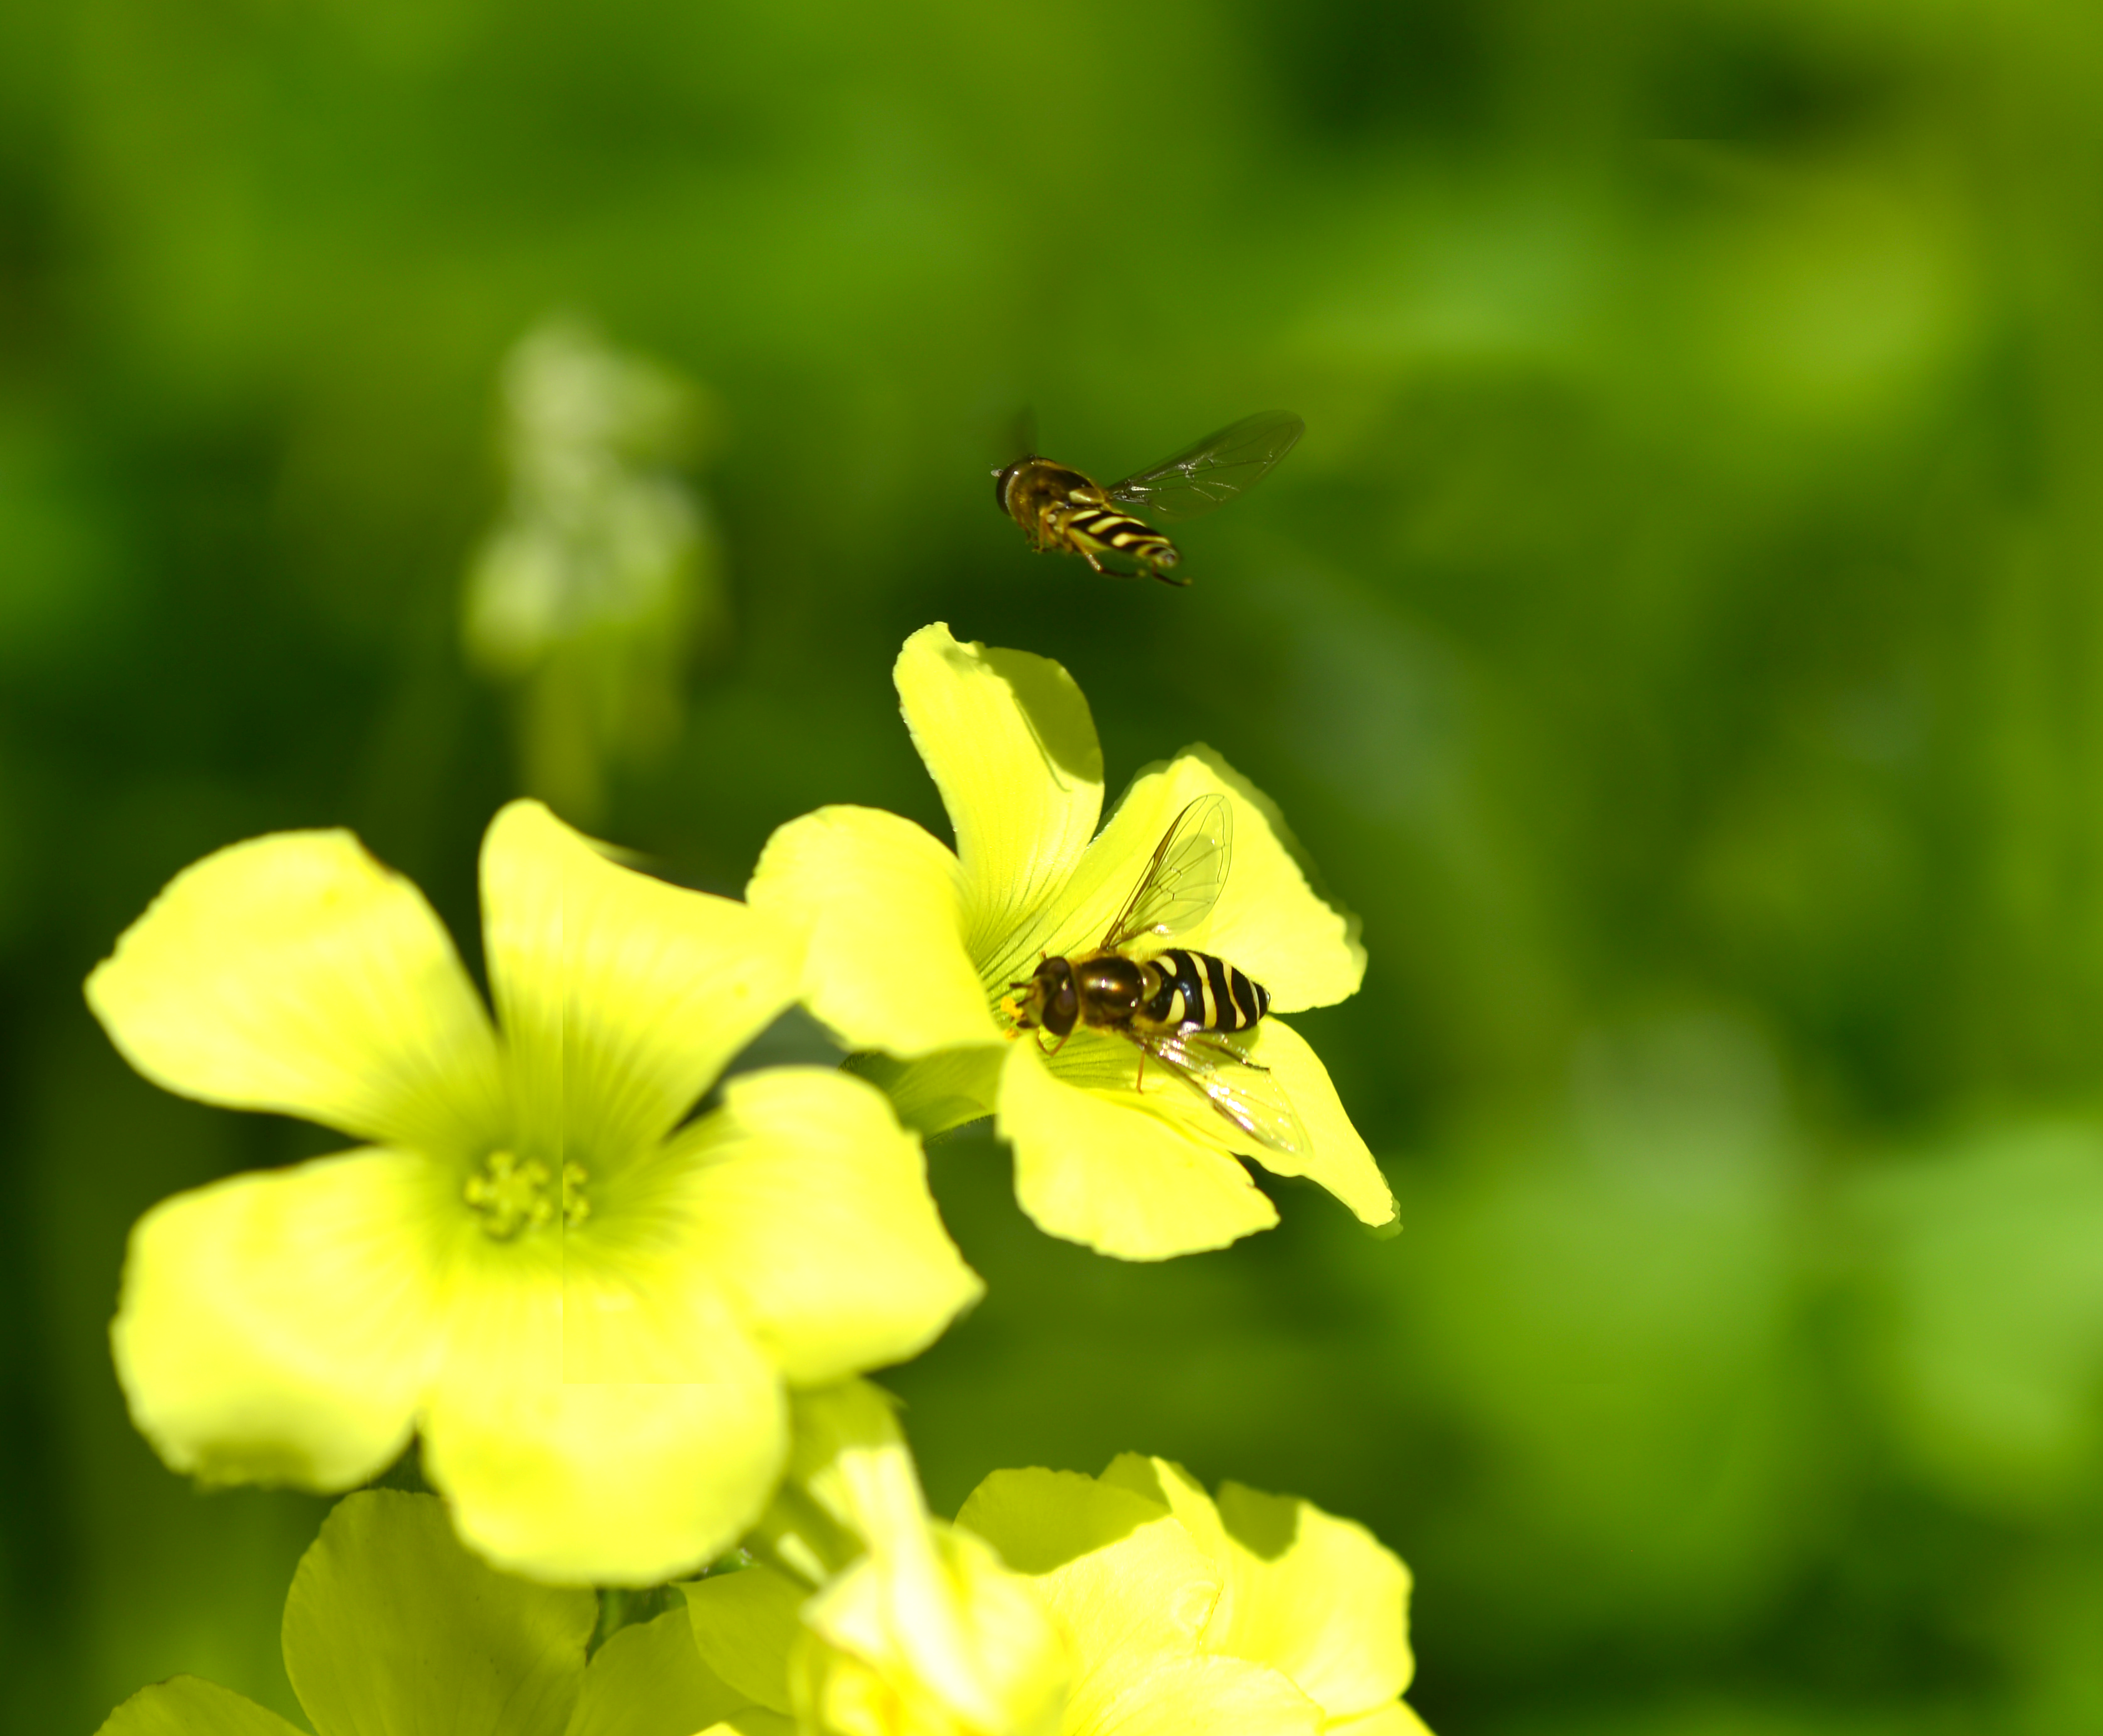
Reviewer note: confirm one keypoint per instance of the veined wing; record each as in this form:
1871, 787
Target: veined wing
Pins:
1182, 882
1248, 1095
1211, 473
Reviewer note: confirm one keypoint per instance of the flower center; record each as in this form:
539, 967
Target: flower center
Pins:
513, 1195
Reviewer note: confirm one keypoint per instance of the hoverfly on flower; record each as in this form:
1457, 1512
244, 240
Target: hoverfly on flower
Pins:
1060, 507
1180, 1007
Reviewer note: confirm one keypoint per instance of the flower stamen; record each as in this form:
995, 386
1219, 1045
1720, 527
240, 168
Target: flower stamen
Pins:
511, 1196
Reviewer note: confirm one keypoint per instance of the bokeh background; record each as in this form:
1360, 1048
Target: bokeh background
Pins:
1678, 637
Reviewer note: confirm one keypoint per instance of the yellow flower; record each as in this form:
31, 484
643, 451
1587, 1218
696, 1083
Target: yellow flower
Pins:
916, 1628
912, 949
592, 1313
1257, 1615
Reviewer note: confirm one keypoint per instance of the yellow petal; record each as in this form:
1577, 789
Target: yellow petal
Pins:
810, 1206
745, 1625
1219, 1696
1112, 1173
881, 907
1335, 1158
295, 972
610, 1482
849, 1457
927, 1625
1165, 1481
946, 1638
1315, 1596
1116, 1567
184, 1706
1135, 1593
1398, 1718
1009, 741
277, 1328
622, 997
1268, 922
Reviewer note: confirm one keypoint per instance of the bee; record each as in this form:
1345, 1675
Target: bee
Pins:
1180, 1008
1059, 507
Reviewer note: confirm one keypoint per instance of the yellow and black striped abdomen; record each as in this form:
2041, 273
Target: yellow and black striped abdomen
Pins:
1119, 533
1196, 991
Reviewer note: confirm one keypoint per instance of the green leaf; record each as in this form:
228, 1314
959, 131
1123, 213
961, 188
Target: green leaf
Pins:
394, 1629
187, 1707
648, 1680
744, 1625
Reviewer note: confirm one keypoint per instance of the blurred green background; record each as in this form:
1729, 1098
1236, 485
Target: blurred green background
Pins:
1677, 635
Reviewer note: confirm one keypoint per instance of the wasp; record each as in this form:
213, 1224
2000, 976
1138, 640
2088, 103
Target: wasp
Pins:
1059, 507
1180, 1008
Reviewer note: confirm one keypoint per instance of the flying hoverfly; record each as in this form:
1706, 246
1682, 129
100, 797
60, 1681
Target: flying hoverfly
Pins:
1180, 1007
1059, 507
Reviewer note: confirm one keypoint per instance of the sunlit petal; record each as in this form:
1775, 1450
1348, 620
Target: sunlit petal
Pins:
1116, 1566
1396, 1718
1109, 1171
1173, 1696
881, 906
1010, 743
1336, 1158
295, 972
629, 1480
810, 1205
622, 997
1316, 1596
277, 1328
945, 1638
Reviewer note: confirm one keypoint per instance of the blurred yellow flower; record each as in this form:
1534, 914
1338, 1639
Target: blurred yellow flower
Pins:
1258, 1613
912, 948
915, 1627
1067, 1605
592, 1313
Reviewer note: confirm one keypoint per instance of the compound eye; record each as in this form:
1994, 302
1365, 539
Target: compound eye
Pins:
1065, 1008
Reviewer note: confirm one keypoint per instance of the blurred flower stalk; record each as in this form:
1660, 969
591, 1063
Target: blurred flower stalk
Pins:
602, 577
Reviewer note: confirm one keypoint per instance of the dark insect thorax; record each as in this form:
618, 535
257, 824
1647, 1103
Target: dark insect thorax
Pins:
1031, 485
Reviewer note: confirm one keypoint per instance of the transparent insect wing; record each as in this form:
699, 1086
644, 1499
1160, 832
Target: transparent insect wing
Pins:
1215, 470
1182, 881
1248, 1095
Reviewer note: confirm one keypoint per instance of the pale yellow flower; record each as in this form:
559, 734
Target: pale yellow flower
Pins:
1057, 1606
592, 1310
912, 948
